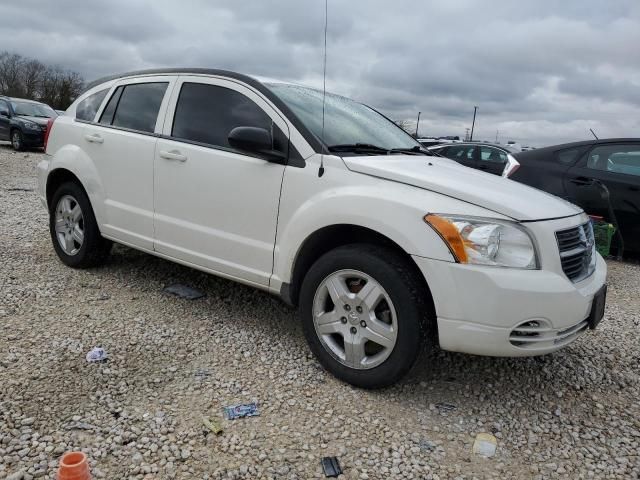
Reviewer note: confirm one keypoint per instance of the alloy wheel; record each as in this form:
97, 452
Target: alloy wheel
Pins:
69, 225
16, 141
355, 319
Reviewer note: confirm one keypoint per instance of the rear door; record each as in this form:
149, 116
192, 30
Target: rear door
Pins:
216, 206
121, 144
464, 154
546, 169
616, 165
491, 159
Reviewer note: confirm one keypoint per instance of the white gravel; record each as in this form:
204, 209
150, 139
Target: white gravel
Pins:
574, 414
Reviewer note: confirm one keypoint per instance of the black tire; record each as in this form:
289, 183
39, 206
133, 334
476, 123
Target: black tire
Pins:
94, 249
17, 140
407, 292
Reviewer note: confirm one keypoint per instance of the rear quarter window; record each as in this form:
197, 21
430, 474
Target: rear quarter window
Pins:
568, 156
87, 108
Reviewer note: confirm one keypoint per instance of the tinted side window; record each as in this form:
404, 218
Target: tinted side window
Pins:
4, 106
87, 108
623, 159
207, 113
489, 154
442, 151
568, 156
461, 152
110, 109
138, 106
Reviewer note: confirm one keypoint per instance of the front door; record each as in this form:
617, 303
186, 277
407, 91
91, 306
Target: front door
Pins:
217, 207
4, 120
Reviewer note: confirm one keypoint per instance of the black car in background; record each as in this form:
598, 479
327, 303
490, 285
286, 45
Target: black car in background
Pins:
488, 157
573, 171
24, 122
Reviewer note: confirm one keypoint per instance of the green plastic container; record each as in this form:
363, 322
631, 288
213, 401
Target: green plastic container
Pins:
603, 233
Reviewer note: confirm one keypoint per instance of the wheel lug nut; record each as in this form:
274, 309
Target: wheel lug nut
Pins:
343, 319
354, 330
363, 324
347, 307
359, 309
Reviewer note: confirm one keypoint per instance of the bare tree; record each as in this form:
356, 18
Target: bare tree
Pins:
406, 125
32, 71
10, 74
29, 78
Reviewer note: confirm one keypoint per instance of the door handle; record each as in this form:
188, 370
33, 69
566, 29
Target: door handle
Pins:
581, 181
95, 138
633, 188
173, 155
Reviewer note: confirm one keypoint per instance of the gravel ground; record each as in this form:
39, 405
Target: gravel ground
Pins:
574, 414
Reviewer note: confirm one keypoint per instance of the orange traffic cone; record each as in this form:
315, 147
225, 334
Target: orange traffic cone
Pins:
74, 466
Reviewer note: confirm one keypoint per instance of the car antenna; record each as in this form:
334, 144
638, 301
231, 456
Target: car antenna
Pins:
593, 133
324, 85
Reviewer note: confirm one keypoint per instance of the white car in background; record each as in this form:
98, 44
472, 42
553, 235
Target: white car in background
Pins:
383, 248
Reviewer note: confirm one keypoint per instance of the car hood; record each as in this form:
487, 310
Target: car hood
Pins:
447, 177
38, 120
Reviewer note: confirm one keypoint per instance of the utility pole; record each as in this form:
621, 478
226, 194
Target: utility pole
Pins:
418, 124
466, 135
497, 131
475, 109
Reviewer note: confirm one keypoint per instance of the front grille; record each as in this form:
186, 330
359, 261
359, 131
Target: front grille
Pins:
576, 247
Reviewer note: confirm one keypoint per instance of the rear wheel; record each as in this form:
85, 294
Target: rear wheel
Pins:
17, 141
74, 230
364, 314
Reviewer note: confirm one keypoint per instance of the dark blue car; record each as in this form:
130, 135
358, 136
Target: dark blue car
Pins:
24, 122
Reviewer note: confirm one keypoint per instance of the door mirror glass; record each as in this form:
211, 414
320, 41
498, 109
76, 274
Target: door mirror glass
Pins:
255, 140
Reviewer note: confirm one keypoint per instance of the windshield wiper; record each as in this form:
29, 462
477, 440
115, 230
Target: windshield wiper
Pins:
358, 148
415, 149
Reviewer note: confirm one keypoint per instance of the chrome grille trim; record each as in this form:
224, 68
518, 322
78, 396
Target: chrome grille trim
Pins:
576, 246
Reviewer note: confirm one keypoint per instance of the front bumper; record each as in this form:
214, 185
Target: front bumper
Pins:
479, 307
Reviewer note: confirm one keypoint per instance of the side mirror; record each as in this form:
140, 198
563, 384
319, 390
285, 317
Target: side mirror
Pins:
256, 140
4, 113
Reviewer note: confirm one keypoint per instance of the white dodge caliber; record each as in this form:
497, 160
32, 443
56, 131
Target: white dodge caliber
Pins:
383, 248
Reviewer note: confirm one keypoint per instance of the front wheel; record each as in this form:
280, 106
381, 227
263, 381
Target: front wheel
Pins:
364, 314
16, 140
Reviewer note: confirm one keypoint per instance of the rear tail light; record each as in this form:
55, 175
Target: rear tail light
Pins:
47, 132
511, 167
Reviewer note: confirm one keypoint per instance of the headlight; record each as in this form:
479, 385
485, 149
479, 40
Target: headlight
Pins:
485, 241
30, 125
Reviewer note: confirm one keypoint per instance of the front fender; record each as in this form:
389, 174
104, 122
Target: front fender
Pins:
392, 209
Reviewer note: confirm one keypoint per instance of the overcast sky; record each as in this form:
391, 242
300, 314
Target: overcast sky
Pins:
540, 71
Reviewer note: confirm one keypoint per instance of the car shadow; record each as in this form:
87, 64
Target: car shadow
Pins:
453, 376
